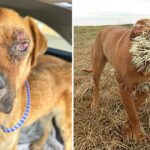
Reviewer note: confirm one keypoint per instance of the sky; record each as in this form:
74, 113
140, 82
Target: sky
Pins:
103, 12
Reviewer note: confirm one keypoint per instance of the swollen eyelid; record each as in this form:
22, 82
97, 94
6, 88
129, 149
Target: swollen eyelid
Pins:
22, 46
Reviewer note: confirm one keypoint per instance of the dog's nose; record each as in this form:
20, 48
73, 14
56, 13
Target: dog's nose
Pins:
2, 82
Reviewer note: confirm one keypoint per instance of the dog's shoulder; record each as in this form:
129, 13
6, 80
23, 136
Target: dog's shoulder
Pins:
51, 62
51, 67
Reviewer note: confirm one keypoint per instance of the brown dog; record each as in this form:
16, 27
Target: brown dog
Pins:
21, 45
128, 51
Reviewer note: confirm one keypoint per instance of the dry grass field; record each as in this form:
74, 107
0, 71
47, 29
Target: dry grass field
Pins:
100, 130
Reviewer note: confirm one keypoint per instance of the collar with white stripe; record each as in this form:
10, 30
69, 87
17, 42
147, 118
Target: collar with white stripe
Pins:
25, 115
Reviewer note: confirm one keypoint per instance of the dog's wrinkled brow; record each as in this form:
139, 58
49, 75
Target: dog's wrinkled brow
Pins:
12, 36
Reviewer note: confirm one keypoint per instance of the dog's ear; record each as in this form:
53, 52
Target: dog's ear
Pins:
144, 22
136, 31
39, 41
140, 26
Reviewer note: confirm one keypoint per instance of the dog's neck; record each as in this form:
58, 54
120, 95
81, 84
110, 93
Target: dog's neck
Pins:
140, 50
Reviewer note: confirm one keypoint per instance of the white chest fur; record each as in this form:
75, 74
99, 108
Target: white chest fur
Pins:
143, 87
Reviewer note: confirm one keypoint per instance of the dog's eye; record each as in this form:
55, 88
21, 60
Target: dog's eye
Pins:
22, 46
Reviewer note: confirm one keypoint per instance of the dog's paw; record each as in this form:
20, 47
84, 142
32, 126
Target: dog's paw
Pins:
94, 106
36, 146
143, 138
138, 136
126, 131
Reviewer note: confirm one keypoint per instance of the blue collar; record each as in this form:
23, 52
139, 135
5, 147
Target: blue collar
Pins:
25, 115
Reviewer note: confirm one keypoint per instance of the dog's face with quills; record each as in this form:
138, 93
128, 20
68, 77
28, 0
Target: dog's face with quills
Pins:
141, 26
140, 46
20, 44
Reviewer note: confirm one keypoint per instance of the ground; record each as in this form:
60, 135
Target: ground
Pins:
100, 130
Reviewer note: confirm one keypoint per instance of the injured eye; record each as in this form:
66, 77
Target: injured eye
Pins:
19, 48
22, 46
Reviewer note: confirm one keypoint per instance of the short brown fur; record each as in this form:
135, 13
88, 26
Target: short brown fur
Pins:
113, 44
49, 79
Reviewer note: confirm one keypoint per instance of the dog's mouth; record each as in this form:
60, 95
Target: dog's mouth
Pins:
6, 103
140, 50
7, 94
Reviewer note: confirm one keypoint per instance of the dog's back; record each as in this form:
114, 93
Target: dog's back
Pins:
109, 43
112, 39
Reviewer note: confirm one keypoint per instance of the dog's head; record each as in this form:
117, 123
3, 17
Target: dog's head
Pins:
21, 43
140, 46
141, 26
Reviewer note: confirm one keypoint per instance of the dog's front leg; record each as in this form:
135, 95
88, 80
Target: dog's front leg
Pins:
135, 131
46, 123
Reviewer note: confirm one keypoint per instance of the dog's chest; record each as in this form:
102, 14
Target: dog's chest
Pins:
7, 142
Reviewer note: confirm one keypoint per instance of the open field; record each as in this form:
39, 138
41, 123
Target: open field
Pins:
100, 130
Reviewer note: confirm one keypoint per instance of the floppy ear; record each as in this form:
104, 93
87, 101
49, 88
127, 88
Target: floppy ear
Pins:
143, 22
136, 31
39, 41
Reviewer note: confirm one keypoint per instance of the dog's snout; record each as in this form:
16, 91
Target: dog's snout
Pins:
2, 82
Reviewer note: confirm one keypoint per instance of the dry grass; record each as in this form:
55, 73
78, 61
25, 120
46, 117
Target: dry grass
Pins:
100, 130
